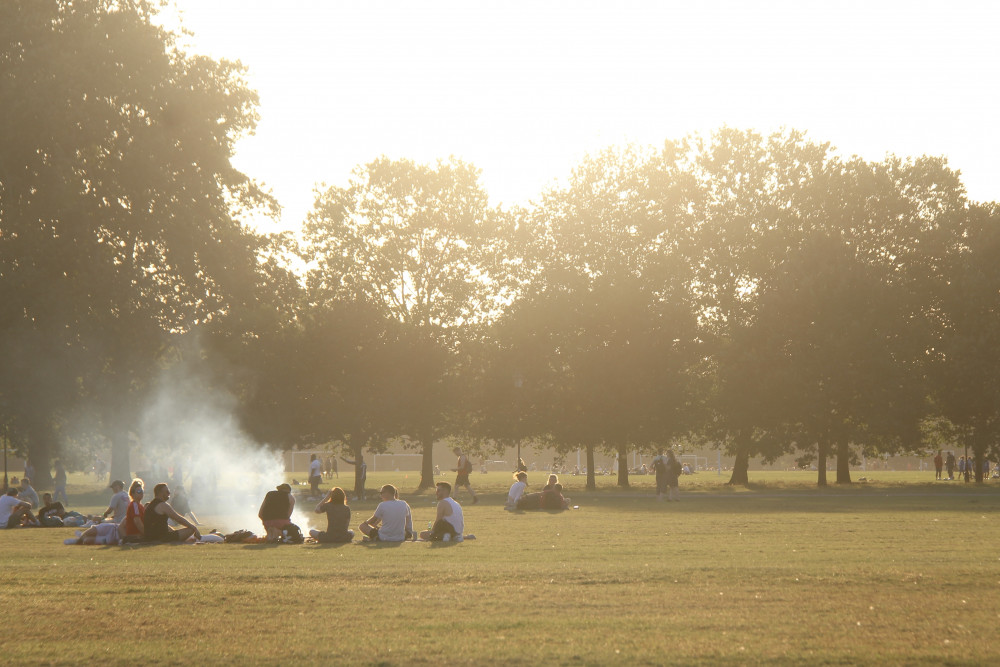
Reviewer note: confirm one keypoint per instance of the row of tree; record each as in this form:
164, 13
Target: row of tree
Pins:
757, 293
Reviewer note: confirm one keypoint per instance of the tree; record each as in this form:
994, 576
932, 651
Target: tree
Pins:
117, 196
965, 368
419, 244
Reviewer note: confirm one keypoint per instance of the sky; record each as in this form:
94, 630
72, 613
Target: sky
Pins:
525, 89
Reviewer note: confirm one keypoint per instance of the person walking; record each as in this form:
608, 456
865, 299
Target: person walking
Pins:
462, 470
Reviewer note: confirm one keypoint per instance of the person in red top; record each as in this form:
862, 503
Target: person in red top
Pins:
938, 464
134, 527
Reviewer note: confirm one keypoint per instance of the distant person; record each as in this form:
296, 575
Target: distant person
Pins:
338, 518
29, 472
516, 490
362, 476
949, 464
961, 467
672, 477
462, 470
660, 464
27, 494
118, 506
938, 465
59, 483
276, 511
155, 519
450, 522
134, 527
15, 512
315, 476
392, 520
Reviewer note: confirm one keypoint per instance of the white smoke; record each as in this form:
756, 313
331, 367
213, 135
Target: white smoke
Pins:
188, 434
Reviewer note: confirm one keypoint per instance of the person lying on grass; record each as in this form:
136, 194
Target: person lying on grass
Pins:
155, 520
450, 521
102, 533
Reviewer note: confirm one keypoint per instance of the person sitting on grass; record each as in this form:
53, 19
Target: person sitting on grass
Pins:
119, 502
552, 498
51, 513
27, 493
516, 490
450, 521
134, 529
276, 511
392, 521
155, 519
14, 512
338, 518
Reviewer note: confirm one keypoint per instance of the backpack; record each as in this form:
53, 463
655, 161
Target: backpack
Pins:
238, 536
292, 534
676, 467
467, 468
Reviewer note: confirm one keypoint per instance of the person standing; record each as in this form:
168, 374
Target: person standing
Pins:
450, 522
462, 470
659, 465
392, 520
938, 465
315, 476
59, 482
338, 518
949, 464
155, 519
118, 506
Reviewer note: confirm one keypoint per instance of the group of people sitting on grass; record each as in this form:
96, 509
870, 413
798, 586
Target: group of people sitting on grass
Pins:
134, 521
392, 520
549, 498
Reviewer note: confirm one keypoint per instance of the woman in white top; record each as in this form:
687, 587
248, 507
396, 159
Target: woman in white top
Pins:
516, 490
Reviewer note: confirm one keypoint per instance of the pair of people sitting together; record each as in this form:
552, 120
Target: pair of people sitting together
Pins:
393, 520
550, 497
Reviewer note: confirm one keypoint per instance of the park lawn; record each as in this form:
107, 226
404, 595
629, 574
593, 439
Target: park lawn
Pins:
885, 572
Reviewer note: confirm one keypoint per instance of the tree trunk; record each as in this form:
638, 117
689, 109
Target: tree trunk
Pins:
40, 446
821, 464
623, 466
591, 477
979, 452
843, 463
426, 464
741, 466
359, 458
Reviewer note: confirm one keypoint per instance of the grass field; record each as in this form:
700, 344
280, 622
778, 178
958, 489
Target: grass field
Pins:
897, 570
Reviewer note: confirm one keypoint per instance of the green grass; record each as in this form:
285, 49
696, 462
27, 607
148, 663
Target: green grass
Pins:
900, 570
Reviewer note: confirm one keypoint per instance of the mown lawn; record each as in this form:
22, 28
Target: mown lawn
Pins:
891, 571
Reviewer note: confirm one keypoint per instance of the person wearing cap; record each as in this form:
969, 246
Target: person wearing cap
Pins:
119, 502
158, 510
392, 521
134, 529
276, 511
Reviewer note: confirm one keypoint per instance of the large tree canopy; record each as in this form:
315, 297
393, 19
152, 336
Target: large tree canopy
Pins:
117, 197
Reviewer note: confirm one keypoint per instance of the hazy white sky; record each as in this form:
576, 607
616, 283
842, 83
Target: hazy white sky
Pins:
524, 89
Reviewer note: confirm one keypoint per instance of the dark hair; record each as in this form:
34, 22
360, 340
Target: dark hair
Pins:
12, 491
558, 487
159, 487
522, 476
337, 496
446, 486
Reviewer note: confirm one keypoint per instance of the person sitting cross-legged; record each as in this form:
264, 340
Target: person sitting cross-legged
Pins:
15, 512
450, 520
392, 521
338, 518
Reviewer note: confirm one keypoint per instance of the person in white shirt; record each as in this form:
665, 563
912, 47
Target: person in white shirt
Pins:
516, 490
392, 521
450, 521
119, 502
315, 476
13, 510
